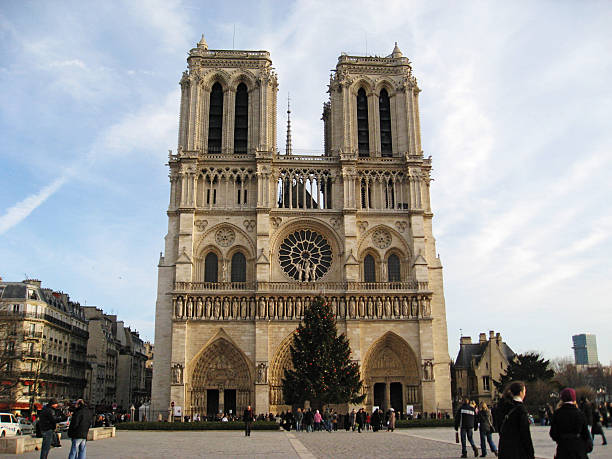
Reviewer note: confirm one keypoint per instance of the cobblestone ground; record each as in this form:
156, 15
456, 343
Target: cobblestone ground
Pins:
405, 443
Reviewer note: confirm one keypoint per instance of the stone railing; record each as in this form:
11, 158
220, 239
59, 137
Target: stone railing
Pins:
291, 307
303, 287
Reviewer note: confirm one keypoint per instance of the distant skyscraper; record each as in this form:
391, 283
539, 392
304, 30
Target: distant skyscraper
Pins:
585, 349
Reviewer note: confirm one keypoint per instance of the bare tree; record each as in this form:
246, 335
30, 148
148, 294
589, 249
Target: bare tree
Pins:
10, 356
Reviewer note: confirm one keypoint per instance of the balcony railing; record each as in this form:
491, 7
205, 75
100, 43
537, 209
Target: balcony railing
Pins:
305, 287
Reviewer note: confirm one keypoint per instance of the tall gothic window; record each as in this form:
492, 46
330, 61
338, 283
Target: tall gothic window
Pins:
215, 119
241, 122
393, 268
238, 267
363, 136
369, 269
211, 266
385, 123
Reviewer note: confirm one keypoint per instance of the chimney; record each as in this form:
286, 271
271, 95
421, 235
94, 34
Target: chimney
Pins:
498, 338
465, 340
482, 338
33, 282
491, 335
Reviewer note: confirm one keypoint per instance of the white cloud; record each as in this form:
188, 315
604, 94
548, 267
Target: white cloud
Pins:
15, 214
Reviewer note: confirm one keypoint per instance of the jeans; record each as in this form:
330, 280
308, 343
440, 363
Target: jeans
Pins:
298, 426
247, 428
484, 438
47, 437
470, 438
77, 450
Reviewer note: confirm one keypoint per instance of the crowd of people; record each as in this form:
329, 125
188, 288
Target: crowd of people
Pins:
573, 425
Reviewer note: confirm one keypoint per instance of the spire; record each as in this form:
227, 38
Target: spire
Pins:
202, 43
288, 145
396, 52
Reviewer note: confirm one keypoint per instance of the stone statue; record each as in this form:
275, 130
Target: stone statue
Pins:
299, 271
387, 307
199, 307
226, 311
361, 307
352, 307
235, 308
415, 307
251, 308
342, 307
217, 308
189, 307
298, 307
262, 308
262, 373
334, 305
396, 307
177, 373
180, 307
379, 307
243, 307
290, 308
270, 308
370, 308
405, 307
313, 272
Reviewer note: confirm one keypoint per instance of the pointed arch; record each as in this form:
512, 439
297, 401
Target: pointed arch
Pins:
219, 366
390, 362
215, 118
280, 362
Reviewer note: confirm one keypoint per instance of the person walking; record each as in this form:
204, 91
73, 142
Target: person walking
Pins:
391, 424
299, 417
597, 428
464, 422
485, 426
247, 417
352, 419
80, 423
47, 421
514, 435
568, 428
317, 420
587, 409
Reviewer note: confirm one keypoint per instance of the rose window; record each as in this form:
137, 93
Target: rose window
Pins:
305, 255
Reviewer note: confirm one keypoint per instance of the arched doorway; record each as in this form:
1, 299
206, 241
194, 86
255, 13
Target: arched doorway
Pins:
391, 375
221, 380
280, 362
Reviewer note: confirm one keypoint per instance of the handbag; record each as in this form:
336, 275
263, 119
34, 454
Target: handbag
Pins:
55, 441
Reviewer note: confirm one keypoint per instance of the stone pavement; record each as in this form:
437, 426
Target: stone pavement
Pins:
403, 443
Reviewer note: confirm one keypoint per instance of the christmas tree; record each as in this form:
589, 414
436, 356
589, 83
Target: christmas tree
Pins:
322, 370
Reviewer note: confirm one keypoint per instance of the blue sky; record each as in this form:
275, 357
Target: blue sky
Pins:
515, 111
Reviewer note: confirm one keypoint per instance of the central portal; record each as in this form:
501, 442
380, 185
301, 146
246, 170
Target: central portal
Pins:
221, 381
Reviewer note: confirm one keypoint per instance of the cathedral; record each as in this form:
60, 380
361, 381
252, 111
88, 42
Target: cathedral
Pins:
254, 235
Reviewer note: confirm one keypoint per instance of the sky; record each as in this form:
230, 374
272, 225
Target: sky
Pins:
515, 107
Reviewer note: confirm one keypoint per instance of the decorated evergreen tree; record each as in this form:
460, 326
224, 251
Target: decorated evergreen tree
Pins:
322, 370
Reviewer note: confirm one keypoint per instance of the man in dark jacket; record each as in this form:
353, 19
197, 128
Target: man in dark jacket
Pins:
568, 428
47, 421
464, 418
79, 427
247, 417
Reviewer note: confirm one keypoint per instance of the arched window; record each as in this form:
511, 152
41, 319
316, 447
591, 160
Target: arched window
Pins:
363, 136
393, 268
238, 267
211, 266
241, 121
385, 123
215, 119
369, 269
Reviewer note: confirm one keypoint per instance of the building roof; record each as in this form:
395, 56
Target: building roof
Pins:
469, 352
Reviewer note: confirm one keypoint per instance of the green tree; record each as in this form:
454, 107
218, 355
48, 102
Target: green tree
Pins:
322, 370
536, 373
528, 367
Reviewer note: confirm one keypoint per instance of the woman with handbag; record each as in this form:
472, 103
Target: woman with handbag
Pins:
485, 425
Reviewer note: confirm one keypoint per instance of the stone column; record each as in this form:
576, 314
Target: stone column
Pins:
387, 393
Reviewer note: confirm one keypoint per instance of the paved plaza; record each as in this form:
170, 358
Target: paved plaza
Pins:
405, 443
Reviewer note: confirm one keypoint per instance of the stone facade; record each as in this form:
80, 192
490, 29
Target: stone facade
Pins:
478, 365
253, 236
43, 344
